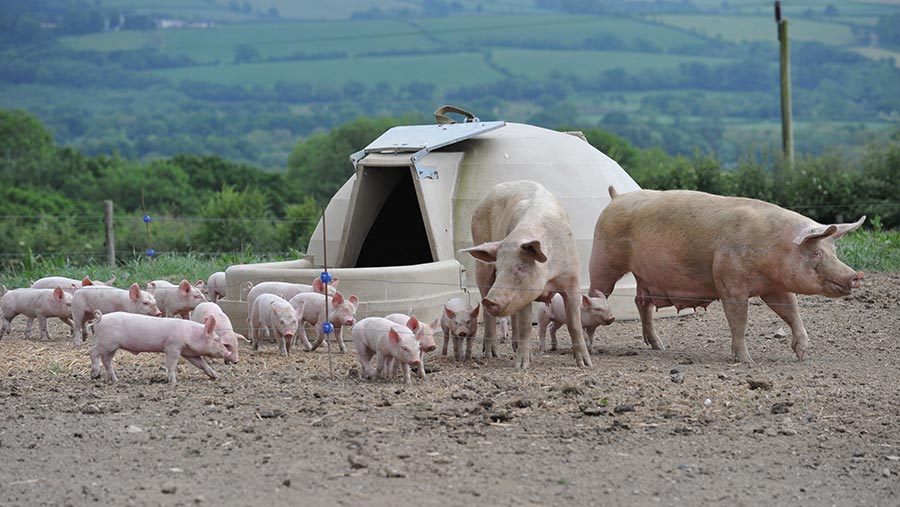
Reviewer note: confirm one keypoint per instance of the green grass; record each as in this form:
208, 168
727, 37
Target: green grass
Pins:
539, 63
550, 29
760, 28
871, 249
140, 270
439, 70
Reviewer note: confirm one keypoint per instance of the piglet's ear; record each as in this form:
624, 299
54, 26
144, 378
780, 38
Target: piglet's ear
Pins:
242, 337
435, 323
585, 301
393, 336
209, 324
485, 252
533, 249
58, 293
318, 286
86, 281
198, 284
337, 299
412, 323
354, 300
134, 292
476, 310
449, 313
184, 287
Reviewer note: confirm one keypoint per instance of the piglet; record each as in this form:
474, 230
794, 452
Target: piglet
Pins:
287, 290
594, 313
389, 342
459, 322
275, 316
341, 312
215, 286
69, 284
178, 299
424, 335
224, 329
107, 300
141, 333
35, 303
504, 333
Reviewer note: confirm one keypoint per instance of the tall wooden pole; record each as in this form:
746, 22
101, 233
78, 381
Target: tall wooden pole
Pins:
110, 233
787, 132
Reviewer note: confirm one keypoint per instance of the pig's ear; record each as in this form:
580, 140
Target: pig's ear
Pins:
242, 337
585, 301
184, 287
845, 228
435, 323
86, 281
299, 308
814, 233
209, 324
533, 249
485, 252
354, 300
112, 279
58, 293
198, 284
475, 311
394, 336
337, 299
334, 282
412, 323
449, 313
318, 286
134, 292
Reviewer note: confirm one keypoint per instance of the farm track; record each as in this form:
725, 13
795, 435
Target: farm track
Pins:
642, 427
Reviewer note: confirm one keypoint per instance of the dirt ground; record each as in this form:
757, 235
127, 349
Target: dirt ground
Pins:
677, 427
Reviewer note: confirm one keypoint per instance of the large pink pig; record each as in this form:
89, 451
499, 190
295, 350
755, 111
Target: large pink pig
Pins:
140, 333
391, 344
178, 299
687, 249
215, 286
424, 335
527, 251
459, 323
594, 313
68, 284
275, 316
341, 312
287, 290
224, 329
107, 300
35, 303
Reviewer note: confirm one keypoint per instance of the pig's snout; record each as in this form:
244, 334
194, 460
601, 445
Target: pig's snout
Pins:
429, 348
349, 322
414, 362
158, 314
856, 281
609, 320
492, 307
288, 335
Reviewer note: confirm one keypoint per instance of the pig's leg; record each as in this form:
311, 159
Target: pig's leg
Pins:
5, 328
489, 349
107, 358
554, 327
645, 307
421, 368
470, 346
447, 338
282, 344
736, 313
42, 325
589, 336
78, 330
340, 339
521, 324
172, 355
29, 323
571, 302
199, 362
95, 361
320, 336
543, 323
407, 376
301, 332
380, 364
785, 305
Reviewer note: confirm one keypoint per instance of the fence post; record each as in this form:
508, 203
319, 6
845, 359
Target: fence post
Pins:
110, 233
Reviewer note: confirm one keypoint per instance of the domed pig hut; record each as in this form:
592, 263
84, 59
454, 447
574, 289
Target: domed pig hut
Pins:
392, 233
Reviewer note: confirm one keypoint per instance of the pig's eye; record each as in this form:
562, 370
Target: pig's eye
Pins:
817, 254
520, 269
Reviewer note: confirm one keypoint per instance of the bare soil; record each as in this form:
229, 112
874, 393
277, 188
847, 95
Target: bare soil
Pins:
683, 426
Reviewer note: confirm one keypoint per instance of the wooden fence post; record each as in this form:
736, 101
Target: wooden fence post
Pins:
110, 233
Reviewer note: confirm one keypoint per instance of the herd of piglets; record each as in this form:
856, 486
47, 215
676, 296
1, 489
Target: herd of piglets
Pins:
685, 249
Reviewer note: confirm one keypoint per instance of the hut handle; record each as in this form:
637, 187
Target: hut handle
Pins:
442, 119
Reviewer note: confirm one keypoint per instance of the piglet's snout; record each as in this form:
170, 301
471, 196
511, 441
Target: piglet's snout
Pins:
856, 281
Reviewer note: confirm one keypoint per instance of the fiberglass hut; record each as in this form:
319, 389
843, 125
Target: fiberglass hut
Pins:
393, 231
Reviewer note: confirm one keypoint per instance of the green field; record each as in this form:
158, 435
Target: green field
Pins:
878, 54
760, 28
541, 63
397, 70
550, 29
271, 39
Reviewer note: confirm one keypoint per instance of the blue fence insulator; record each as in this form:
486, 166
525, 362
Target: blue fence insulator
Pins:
147, 219
150, 252
325, 277
327, 328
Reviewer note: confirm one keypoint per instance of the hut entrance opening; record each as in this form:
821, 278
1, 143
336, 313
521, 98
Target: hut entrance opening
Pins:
397, 234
